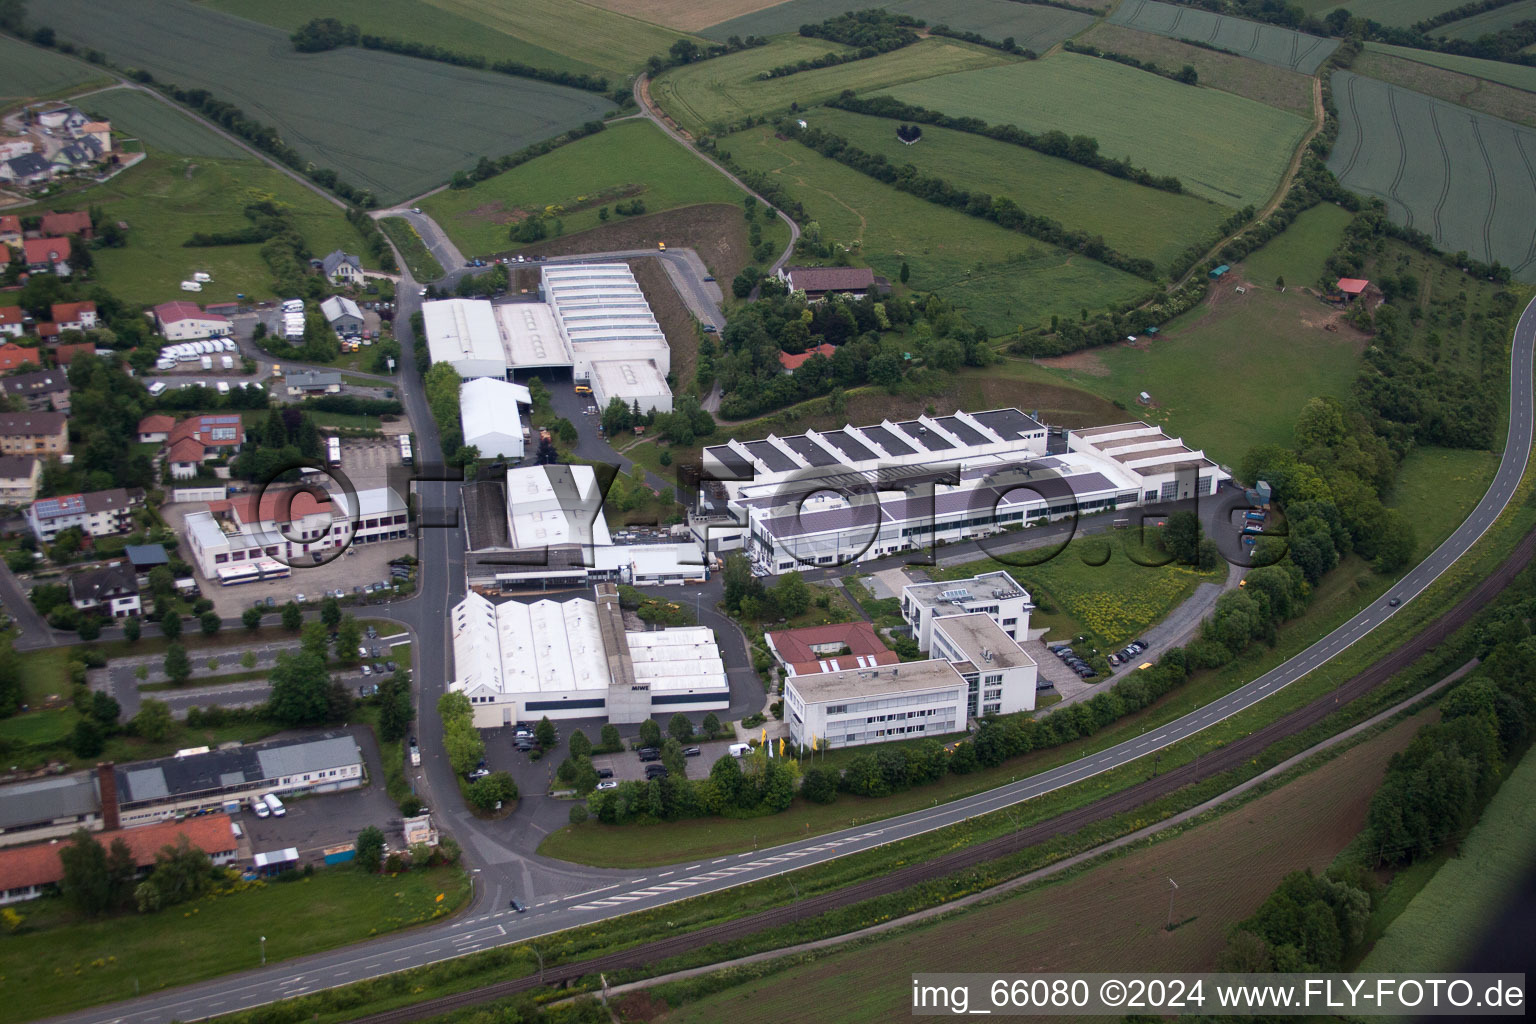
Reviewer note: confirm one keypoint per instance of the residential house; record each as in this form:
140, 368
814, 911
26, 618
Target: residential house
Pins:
156, 428
313, 382
77, 222
112, 589
12, 321
10, 225
75, 316
19, 475
48, 333
97, 514
342, 314
144, 557
198, 439
47, 255
819, 282
14, 356
342, 268
186, 321
34, 433
26, 170
64, 354
98, 131
32, 870
63, 120
13, 146
42, 390
77, 155
793, 363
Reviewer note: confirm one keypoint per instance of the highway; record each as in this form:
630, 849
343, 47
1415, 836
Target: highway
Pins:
489, 924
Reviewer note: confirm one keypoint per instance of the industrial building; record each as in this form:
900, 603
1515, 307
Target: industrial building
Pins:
290, 524
32, 871
835, 497
593, 325
993, 593
574, 659
491, 414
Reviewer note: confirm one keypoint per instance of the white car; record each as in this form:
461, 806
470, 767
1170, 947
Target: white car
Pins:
608, 784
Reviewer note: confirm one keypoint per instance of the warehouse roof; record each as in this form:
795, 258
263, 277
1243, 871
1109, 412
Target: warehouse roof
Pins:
237, 766
462, 329
39, 800
933, 674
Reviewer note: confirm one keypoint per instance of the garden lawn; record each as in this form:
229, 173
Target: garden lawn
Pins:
80, 964
1299, 253
409, 123
166, 199
1221, 147
30, 72
1437, 488
160, 126
629, 160
1002, 279
1134, 219
723, 91
1446, 920
1227, 375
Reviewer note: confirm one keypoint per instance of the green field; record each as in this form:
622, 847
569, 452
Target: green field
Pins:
1001, 278
1517, 76
727, 89
576, 29
1299, 252
1278, 87
423, 265
69, 966
1402, 67
392, 124
159, 125
1222, 147
1388, 12
1470, 189
1469, 894
165, 200
1489, 21
627, 161
1134, 219
1033, 27
1437, 489
1266, 352
1268, 44
31, 72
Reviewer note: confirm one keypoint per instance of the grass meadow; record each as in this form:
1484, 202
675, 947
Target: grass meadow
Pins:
1109, 916
32, 73
1032, 26
684, 15
727, 89
1268, 44
1393, 66
1470, 188
627, 161
1222, 147
1299, 252
1495, 20
1001, 278
392, 124
1469, 894
1278, 87
1437, 488
1132, 218
160, 126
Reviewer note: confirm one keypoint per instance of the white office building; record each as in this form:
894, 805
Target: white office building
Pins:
490, 411
1000, 675
993, 593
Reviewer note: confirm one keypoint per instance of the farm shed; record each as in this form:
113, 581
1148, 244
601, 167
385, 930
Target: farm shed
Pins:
1220, 270
1353, 287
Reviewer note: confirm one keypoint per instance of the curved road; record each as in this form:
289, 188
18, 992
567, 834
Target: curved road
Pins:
630, 891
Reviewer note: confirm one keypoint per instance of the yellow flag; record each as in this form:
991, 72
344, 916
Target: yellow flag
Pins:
781, 746
439, 898
765, 734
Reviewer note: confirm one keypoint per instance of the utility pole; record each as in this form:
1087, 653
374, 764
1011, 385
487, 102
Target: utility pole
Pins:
1171, 893
263, 951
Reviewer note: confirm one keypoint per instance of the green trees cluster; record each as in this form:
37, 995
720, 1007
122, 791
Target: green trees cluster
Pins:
747, 598
461, 740
733, 787
396, 710
1309, 923
484, 794
1187, 74
441, 387
97, 881
286, 440
303, 693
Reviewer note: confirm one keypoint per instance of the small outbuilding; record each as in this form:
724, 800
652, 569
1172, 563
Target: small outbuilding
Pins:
1352, 287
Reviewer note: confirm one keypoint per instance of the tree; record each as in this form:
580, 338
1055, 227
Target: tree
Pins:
819, 785
86, 884
579, 745
791, 595
105, 709
496, 788
679, 728
1397, 543
611, 739
178, 667
727, 779
314, 639
210, 622
1181, 537
330, 613
299, 685
544, 733
349, 637
906, 272
395, 708
650, 733
711, 725
87, 740
293, 616
170, 626
121, 870
132, 629
368, 850
154, 721
251, 619
182, 872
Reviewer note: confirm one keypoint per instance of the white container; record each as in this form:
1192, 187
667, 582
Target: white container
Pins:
223, 387
202, 278
191, 286
228, 362
157, 388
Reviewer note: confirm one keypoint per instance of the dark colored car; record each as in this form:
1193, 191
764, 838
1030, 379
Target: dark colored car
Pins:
514, 905
656, 771
650, 754
692, 751
605, 773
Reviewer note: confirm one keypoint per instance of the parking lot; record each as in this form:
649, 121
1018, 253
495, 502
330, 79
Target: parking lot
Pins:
360, 565
375, 462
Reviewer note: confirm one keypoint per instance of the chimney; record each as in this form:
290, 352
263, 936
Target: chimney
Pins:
106, 781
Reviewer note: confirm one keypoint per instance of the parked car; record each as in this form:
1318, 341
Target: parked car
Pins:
656, 771
605, 773
650, 754
367, 669
389, 666
610, 784
371, 633
478, 773
692, 751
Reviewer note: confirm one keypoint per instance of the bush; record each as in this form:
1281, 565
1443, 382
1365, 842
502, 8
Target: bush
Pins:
578, 814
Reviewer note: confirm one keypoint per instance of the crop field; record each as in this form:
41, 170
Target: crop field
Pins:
1278, 87
1001, 278
1034, 27
1516, 76
1393, 66
1109, 917
1231, 150
727, 89
419, 19
628, 161
159, 125
1489, 21
1388, 12
684, 15
1299, 252
31, 72
1132, 218
399, 135
579, 30
1271, 349
1268, 44
166, 199
1470, 892
1472, 188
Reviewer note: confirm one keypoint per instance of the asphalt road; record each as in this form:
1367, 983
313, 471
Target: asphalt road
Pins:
489, 924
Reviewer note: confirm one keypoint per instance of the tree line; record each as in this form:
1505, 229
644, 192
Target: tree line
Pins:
686, 51
1186, 75
1080, 149
1000, 210
1006, 44
871, 29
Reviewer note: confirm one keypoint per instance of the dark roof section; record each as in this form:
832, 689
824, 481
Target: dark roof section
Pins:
922, 435
812, 452
31, 424
485, 515
218, 770
736, 467
892, 444
964, 431
1007, 423
775, 460
844, 442
830, 279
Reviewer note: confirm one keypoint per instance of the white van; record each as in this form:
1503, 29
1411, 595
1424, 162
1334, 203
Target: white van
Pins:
275, 805
223, 387
229, 345
740, 749
157, 388
259, 807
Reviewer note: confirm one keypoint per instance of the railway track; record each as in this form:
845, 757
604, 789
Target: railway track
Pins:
1228, 757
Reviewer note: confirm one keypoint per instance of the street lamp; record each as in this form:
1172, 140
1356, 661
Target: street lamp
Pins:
263, 951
